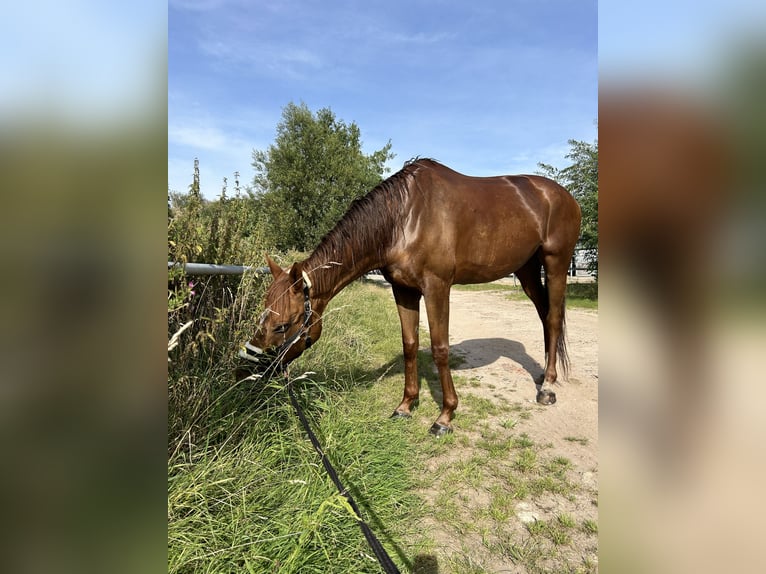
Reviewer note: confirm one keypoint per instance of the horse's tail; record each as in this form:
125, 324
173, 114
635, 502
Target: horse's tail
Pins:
561, 344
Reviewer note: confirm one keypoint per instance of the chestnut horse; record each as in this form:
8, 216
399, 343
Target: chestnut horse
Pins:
426, 228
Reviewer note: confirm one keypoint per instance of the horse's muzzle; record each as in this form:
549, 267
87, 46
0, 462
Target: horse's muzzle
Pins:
252, 353
258, 360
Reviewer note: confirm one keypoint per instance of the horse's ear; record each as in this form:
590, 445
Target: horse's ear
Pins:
295, 277
275, 269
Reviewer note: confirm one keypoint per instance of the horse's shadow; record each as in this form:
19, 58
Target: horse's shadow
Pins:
482, 352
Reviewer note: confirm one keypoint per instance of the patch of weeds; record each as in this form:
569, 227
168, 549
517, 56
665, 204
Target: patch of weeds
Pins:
462, 441
558, 466
580, 440
590, 526
566, 521
536, 528
546, 483
473, 382
558, 535
487, 536
469, 472
588, 567
464, 563
525, 415
445, 508
431, 447
518, 489
523, 411
583, 295
494, 445
459, 381
494, 448
527, 553
525, 461
522, 441
509, 424
480, 406
501, 507
553, 530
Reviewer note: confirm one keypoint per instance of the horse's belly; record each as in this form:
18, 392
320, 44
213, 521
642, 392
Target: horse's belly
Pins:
483, 261
478, 273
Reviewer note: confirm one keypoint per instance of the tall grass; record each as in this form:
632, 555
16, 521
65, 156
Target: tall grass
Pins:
215, 312
246, 491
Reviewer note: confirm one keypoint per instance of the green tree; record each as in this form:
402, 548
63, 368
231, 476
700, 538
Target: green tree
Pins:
581, 179
307, 178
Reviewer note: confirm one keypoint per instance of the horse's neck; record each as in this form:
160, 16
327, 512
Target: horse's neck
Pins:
330, 274
358, 243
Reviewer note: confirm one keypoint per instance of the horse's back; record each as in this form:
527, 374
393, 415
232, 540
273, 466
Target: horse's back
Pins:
534, 193
477, 229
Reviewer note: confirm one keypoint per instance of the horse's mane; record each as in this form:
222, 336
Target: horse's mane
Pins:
371, 223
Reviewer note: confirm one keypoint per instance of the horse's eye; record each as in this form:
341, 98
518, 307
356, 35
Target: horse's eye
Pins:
282, 328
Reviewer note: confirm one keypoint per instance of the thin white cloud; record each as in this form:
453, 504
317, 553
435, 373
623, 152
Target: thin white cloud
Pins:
198, 5
299, 56
201, 137
284, 61
219, 143
419, 38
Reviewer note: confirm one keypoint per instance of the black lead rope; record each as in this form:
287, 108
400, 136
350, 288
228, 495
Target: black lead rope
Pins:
377, 548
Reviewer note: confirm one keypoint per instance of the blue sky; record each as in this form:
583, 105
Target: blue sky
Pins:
485, 87
679, 42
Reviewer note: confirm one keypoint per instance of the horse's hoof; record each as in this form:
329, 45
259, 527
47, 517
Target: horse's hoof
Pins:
546, 397
439, 430
398, 415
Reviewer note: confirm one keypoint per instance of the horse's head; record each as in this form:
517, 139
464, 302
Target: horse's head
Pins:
287, 327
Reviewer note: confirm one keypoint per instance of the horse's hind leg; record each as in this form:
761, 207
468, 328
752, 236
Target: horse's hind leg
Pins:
556, 268
531, 282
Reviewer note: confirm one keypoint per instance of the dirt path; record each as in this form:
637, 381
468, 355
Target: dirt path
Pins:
499, 343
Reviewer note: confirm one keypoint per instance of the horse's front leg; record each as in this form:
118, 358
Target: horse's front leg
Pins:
408, 305
437, 307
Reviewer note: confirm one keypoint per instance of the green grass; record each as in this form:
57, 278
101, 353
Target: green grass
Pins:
582, 295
